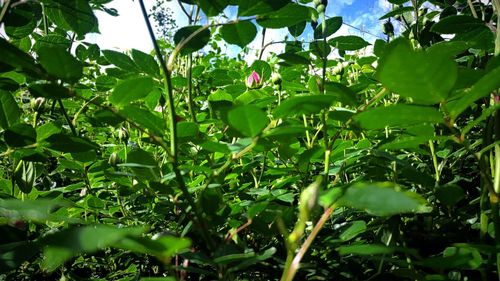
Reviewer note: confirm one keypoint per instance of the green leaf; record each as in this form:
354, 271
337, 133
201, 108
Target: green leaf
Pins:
297, 29
289, 15
398, 115
365, 250
332, 25
66, 244
320, 49
120, 60
425, 77
449, 48
226, 259
66, 143
131, 90
11, 55
256, 259
146, 63
348, 43
457, 24
286, 132
53, 91
192, 38
9, 111
481, 88
21, 20
353, 230
40, 210
382, 199
163, 247
455, 257
240, 33
293, 58
303, 104
216, 147
8, 84
46, 130
13, 255
51, 41
20, 135
212, 8
480, 38
248, 120
144, 118
343, 94
450, 194
142, 164
60, 63
187, 130
257, 7
76, 15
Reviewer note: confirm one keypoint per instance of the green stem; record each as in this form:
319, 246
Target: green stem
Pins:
66, 116
360, 109
44, 18
324, 113
496, 180
496, 5
262, 45
203, 227
189, 68
415, 10
171, 105
472, 10
308, 137
434, 161
291, 270
5, 8
190, 88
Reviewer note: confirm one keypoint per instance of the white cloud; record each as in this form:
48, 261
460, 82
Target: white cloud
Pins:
335, 7
384, 5
128, 30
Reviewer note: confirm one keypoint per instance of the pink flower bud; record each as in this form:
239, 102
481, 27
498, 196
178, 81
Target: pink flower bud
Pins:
253, 81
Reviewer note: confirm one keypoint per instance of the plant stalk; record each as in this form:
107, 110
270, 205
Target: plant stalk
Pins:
66, 116
496, 5
203, 227
434, 162
4, 10
472, 10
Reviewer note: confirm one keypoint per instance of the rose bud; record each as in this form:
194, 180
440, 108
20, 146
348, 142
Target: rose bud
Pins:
253, 81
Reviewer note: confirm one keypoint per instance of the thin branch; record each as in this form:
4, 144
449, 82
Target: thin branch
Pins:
173, 135
471, 6
360, 109
262, 45
183, 9
5, 7
294, 266
363, 31
66, 116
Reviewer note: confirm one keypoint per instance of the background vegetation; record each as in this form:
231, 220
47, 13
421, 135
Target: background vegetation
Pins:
320, 163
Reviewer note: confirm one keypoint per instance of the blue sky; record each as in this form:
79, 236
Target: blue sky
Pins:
129, 31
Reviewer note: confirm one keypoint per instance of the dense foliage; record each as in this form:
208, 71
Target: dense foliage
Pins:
319, 163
